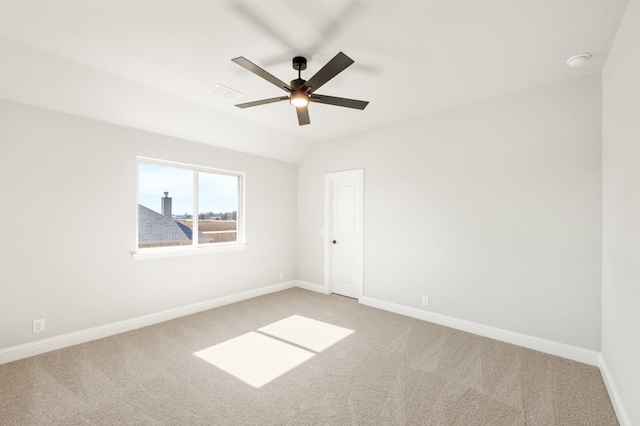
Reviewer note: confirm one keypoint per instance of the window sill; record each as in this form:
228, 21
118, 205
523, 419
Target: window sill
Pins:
162, 252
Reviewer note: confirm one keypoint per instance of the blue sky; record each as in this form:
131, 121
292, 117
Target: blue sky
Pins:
218, 193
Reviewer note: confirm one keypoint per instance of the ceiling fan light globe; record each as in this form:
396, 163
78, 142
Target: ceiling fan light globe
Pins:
299, 99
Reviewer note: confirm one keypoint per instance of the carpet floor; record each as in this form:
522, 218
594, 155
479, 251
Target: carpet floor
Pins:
382, 369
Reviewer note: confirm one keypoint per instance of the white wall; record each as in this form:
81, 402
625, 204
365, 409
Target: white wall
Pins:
621, 214
492, 210
79, 89
68, 218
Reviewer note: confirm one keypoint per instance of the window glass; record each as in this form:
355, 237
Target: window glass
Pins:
168, 195
218, 207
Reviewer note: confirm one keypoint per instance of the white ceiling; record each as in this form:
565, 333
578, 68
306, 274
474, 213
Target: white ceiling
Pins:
149, 64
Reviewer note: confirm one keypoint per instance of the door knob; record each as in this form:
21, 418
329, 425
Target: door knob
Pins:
334, 242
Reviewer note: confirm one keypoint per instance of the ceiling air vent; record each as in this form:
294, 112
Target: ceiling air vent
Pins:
225, 93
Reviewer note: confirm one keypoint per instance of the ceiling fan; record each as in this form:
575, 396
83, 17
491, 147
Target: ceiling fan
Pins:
301, 92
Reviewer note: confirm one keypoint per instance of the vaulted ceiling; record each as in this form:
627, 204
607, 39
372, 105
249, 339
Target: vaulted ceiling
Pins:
150, 64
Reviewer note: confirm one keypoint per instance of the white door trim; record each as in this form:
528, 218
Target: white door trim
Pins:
359, 173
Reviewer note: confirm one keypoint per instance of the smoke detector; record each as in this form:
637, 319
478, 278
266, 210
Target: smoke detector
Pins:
576, 61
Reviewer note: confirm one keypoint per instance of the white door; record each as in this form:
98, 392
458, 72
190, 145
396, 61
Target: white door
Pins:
344, 239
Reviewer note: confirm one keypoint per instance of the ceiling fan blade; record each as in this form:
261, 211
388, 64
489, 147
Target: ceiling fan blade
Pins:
303, 115
262, 102
334, 67
247, 64
343, 102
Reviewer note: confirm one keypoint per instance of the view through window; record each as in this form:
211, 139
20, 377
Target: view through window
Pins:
170, 193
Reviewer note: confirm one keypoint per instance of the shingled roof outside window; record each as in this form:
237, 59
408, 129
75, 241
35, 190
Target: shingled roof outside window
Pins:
156, 230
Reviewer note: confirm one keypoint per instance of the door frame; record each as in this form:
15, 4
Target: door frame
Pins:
328, 178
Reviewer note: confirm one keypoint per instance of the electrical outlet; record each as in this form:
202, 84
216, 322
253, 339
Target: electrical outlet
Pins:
38, 325
282, 275
425, 300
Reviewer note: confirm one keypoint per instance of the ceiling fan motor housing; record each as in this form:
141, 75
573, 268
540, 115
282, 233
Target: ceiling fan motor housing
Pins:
297, 83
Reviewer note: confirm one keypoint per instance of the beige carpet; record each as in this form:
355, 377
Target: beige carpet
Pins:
391, 370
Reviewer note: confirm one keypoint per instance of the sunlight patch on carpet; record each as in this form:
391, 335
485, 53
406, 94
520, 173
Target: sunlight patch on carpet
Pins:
257, 359
254, 358
306, 332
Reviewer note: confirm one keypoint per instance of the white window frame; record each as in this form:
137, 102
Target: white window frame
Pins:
195, 248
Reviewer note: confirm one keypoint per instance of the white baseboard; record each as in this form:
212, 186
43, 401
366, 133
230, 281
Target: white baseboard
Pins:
575, 353
621, 412
311, 286
58, 342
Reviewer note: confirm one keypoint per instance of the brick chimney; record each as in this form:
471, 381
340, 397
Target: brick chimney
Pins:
166, 205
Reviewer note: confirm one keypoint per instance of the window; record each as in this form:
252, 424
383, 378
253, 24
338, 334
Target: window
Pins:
181, 205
